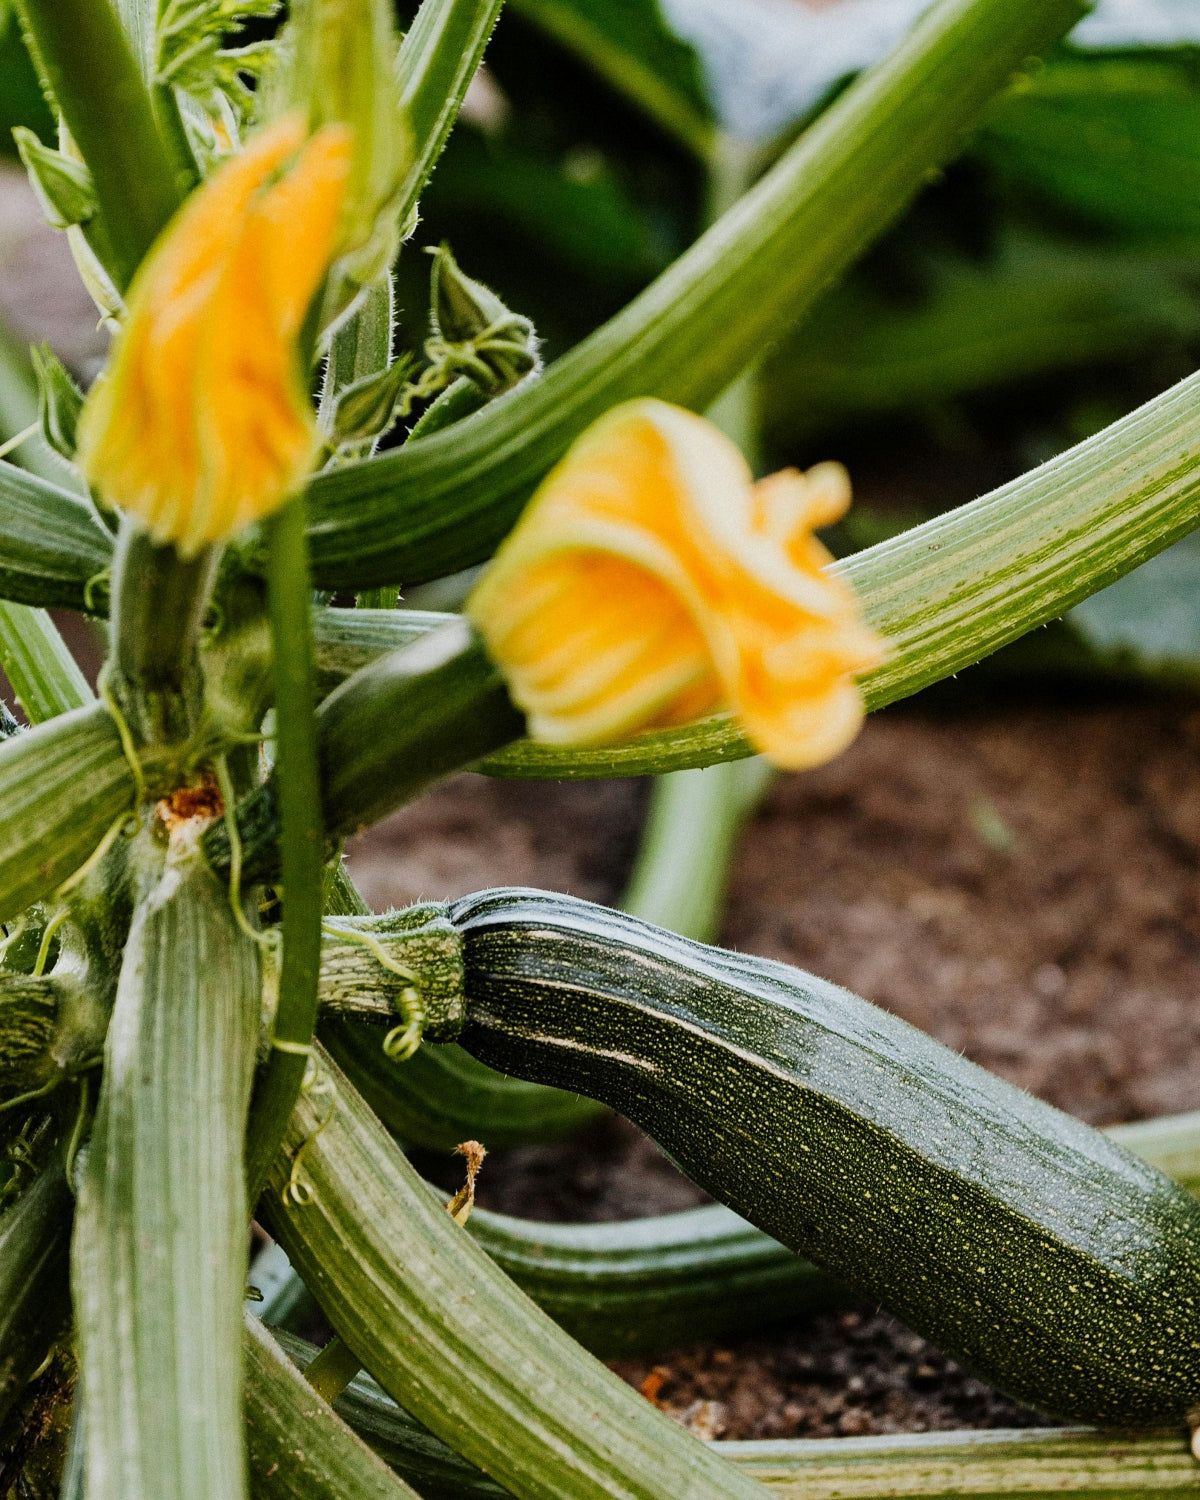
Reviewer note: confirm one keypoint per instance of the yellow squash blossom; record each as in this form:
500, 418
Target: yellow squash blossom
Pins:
651, 581
203, 423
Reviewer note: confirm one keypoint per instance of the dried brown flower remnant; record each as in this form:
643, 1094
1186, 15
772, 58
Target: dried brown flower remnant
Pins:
460, 1206
202, 801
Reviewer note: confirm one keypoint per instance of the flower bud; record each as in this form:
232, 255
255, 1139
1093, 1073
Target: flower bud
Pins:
203, 422
59, 401
650, 581
63, 185
474, 334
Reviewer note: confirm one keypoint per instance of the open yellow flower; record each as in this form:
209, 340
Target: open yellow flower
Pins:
651, 581
202, 423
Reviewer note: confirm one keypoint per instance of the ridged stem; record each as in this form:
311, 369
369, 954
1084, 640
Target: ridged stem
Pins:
301, 840
159, 1258
62, 786
739, 288
51, 548
299, 1448
34, 1301
86, 61
1028, 1462
450, 1337
439, 56
44, 675
153, 670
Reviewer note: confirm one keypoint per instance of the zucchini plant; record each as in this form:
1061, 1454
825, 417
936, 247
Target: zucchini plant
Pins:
200, 1021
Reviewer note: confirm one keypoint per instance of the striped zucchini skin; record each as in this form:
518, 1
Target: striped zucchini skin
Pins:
1027, 1245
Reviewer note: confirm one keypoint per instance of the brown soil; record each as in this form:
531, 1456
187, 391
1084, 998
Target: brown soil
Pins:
1021, 883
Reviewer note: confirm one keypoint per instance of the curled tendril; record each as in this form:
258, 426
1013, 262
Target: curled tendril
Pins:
101, 580
317, 1084
403, 1040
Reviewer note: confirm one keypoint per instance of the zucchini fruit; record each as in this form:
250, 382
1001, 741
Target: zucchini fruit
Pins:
1025, 1244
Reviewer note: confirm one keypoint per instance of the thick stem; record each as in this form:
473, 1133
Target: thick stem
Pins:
450, 1337
159, 1260
299, 1448
153, 671
301, 840
63, 785
85, 60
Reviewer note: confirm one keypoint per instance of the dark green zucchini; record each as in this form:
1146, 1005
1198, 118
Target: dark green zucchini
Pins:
1041, 1254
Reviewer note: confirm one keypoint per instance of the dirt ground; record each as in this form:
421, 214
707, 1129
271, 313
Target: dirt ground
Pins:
1019, 881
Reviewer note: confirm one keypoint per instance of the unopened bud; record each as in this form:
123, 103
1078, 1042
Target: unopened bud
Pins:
59, 401
63, 185
474, 334
367, 408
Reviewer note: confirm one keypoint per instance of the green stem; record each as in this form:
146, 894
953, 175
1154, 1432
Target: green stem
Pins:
63, 786
43, 673
737, 290
159, 1249
51, 548
333, 1370
86, 62
440, 55
1031, 1463
385, 734
451, 1338
299, 1448
682, 869
301, 840
153, 670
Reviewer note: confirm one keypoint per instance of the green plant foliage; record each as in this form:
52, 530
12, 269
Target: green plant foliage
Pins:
21, 101
972, 323
1115, 144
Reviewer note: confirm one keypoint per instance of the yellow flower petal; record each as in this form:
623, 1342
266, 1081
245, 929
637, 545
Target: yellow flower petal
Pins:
202, 423
651, 580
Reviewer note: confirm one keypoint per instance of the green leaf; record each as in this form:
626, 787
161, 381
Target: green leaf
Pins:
1035, 305
1150, 619
1116, 142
